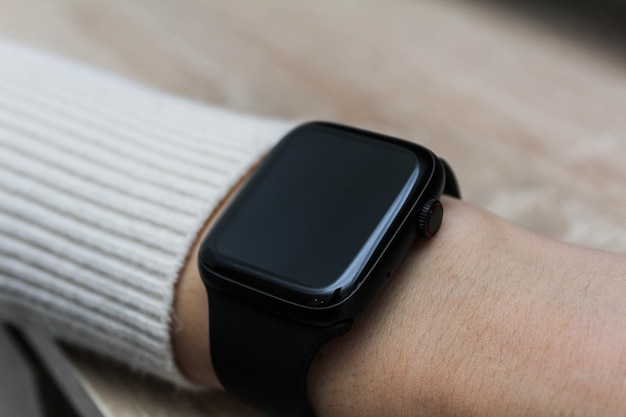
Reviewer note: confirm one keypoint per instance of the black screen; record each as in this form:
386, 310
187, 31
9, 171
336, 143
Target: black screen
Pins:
317, 208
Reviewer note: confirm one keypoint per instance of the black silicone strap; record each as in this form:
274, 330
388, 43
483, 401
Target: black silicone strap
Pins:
264, 359
451, 186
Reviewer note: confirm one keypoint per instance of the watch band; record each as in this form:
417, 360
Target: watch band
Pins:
264, 359
451, 186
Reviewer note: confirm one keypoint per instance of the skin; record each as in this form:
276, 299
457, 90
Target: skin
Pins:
485, 319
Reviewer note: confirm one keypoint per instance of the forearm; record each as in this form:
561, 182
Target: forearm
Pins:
485, 319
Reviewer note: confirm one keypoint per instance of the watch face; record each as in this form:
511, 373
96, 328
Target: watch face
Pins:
316, 213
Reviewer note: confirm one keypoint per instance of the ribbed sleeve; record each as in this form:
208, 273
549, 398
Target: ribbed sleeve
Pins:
104, 186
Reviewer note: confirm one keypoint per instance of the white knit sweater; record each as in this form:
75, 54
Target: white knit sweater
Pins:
104, 186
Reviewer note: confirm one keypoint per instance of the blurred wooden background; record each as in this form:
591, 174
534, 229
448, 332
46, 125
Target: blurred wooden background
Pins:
527, 103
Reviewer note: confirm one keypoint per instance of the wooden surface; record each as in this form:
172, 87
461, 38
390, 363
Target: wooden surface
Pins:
531, 116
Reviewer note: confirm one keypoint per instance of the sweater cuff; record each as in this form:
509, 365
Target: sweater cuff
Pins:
104, 187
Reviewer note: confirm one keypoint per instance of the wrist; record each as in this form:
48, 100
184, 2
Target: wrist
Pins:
485, 319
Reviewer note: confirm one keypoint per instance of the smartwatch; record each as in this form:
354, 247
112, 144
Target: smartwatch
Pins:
305, 246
